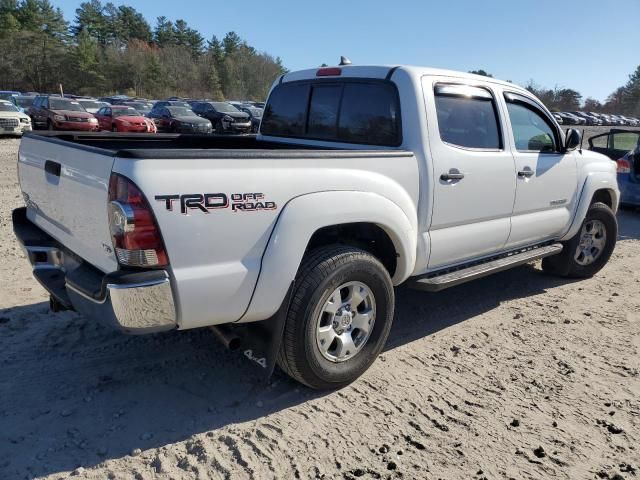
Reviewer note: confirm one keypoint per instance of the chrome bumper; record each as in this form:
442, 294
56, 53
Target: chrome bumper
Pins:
136, 302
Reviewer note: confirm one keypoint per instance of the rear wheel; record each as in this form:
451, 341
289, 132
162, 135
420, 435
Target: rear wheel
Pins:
590, 249
339, 319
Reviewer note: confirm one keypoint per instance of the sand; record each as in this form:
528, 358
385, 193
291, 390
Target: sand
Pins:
519, 375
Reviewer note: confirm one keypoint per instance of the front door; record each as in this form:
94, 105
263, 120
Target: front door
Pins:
474, 174
547, 177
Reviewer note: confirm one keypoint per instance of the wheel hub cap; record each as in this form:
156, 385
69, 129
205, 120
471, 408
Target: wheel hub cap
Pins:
593, 238
345, 321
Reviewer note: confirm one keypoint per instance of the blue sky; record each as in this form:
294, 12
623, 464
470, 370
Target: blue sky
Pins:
569, 43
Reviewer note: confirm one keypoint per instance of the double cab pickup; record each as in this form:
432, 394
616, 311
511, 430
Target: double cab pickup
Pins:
361, 178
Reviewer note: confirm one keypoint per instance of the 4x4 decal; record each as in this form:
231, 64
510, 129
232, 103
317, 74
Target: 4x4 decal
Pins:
205, 202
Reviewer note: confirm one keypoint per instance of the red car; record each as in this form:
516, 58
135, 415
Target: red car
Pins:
122, 118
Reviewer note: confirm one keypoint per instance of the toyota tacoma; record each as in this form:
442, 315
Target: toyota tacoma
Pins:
361, 178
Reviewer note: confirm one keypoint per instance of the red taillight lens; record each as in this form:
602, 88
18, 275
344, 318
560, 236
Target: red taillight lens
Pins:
329, 72
624, 166
134, 232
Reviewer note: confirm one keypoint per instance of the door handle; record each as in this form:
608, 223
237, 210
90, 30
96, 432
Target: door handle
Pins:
52, 168
526, 172
453, 174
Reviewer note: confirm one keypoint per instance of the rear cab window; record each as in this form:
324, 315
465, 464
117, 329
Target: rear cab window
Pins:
354, 111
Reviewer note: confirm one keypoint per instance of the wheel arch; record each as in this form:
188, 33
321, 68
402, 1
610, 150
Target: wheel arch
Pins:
597, 187
311, 220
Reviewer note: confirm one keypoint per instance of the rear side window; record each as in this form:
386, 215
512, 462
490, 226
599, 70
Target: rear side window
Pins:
349, 112
467, 117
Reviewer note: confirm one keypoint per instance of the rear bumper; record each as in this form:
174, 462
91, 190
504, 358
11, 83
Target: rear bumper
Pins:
136, 302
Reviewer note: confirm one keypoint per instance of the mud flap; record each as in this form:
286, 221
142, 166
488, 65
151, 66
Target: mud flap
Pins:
260, 341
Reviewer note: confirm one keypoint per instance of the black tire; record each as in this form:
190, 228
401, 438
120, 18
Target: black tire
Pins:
50, 125
321, 273
114, 129
565, 263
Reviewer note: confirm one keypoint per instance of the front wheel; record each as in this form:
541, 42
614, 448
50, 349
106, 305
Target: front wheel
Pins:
340, 315
590, 249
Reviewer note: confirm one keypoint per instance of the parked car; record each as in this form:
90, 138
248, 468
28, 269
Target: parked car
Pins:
91, 105
589, 119
178, 119
57, 113
622, 146
173, 103
142, 106
224, 117
12, 120
123, 118
573, 119
24, 102
310, 225
115, 99
558, 118
255, 114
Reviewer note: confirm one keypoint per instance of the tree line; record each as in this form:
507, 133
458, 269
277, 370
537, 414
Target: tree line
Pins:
624, 100
110, 49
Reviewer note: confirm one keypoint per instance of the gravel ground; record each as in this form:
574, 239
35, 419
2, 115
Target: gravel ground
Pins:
519, 375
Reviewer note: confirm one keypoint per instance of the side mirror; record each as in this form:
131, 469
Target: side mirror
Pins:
572, 140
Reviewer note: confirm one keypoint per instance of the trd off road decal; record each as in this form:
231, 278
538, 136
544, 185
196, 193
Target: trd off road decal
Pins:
205, 202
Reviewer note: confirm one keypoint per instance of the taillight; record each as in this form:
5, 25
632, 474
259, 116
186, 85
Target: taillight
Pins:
134, 232
624, 166
329, 72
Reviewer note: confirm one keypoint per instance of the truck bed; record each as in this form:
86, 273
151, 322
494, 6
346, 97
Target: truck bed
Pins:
181, 146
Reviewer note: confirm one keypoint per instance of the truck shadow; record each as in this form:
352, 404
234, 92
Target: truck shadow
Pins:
76, 394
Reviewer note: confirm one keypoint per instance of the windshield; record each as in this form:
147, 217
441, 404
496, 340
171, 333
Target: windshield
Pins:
256, 112
25, 102
224, 107
63, 104
6, 96
7, 107
129, 111
180, 111
90, 104
141, 105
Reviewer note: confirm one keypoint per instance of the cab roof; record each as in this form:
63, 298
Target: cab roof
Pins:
382, 71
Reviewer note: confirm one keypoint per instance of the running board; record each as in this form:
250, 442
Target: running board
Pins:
434, 283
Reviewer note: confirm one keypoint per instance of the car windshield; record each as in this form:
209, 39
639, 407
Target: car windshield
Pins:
224, 107
63, 104
141, 105
129, 111
6, 96
90, 104
7, 107
180, 111
256, 112
25, 102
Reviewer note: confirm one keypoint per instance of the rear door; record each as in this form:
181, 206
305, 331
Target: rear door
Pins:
615, 144
474, 174
547, 177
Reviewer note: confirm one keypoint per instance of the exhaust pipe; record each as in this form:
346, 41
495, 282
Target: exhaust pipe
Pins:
226, 336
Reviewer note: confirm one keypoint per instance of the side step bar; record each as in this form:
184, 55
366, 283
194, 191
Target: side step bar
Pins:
435, 282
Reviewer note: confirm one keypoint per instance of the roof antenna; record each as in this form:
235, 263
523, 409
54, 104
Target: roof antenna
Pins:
344, 61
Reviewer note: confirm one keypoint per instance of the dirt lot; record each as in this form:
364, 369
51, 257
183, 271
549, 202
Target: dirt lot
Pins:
519, 375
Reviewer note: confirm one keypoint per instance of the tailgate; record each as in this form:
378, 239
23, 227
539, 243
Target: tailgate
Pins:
65, 187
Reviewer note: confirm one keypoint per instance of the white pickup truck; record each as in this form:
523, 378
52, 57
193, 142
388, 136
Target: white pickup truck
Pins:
361, 178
